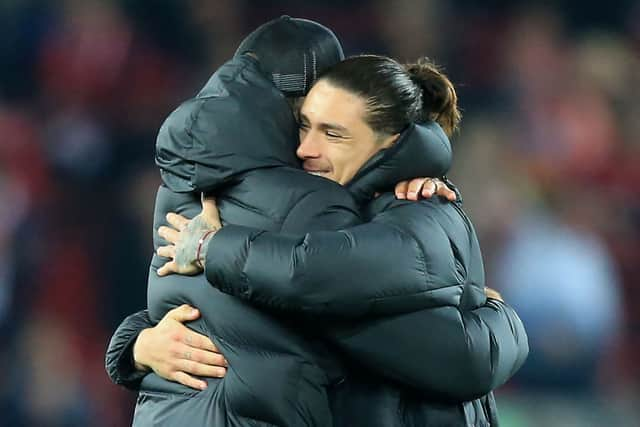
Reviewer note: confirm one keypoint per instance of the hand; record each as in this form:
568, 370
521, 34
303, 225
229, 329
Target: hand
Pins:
185, 239
175, 352
425, 187
493, 294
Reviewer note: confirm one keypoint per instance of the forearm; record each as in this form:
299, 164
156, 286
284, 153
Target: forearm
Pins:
119, 360
347, 273
443, 351
498, 343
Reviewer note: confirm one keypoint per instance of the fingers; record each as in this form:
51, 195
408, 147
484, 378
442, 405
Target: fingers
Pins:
443, 191
168, 251
423, 187
169, 268
196, 340
210, 358
204, 357
200, 369
191, 339
493, 294
401, 190
177, 221
416, 187
169, 234
200, 357
184, 313
192, 361
430, 188
188, 380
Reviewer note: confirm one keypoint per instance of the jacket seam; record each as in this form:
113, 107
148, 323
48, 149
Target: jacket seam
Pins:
426, 291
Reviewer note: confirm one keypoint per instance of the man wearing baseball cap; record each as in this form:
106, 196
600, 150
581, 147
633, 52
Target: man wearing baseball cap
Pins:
293, 51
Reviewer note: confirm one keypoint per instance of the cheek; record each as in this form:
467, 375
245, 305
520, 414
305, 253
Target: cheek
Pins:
347, 161
339, 155
363, 155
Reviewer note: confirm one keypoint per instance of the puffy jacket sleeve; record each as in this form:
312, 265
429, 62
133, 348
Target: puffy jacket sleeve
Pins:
451, 353
119, 358
347, 273
476, 349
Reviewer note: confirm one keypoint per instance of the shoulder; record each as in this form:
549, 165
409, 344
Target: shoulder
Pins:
288, 187
299, 184
421, 219
310, 203
388, 208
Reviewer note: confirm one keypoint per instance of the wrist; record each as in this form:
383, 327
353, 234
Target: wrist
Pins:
137, 353
203, 246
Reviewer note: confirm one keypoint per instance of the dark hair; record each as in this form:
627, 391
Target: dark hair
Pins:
397, 95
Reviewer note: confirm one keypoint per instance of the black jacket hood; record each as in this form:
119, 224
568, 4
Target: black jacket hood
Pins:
238, 122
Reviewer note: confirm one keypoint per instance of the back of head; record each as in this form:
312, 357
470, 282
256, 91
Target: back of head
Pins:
397, 95
293, 51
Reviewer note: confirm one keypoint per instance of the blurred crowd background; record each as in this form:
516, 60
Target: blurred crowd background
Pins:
548, 161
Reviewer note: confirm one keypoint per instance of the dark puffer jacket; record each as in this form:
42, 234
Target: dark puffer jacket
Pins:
411, 279
411, 276
259, 188
223, 141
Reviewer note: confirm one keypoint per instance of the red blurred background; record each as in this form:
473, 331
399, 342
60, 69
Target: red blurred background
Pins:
548, 161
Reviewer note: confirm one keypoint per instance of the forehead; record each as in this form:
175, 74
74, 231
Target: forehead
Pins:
326, 103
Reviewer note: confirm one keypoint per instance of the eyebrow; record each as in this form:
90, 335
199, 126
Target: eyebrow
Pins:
332, 126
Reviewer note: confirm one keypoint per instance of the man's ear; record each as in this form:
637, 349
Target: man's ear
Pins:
390, 140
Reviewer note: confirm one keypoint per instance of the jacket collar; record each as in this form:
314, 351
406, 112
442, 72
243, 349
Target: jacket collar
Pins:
423, 150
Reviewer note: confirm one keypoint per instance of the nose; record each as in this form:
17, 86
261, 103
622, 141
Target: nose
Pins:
309, 147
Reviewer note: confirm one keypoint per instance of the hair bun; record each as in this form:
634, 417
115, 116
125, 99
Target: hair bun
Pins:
439, 98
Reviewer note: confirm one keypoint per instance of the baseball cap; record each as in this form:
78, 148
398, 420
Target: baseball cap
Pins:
293, 52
